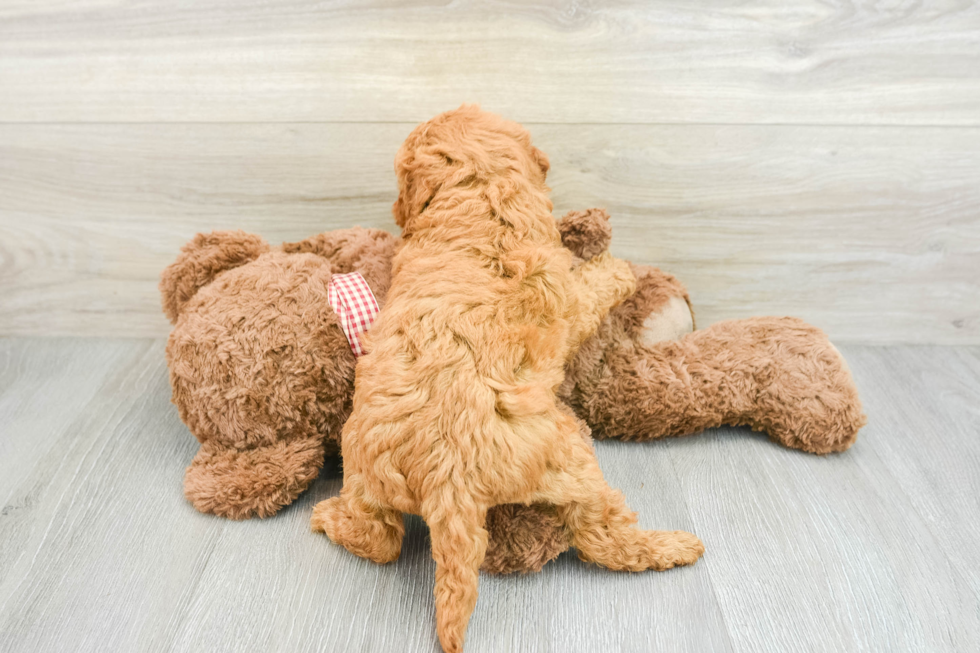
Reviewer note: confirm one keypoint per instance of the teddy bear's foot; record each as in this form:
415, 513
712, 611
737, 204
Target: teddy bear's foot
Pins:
239, 484
374, 533
523, 538
813, 406
780, 376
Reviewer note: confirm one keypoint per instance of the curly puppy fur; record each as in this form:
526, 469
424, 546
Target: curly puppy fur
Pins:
236, 372
524, 538
455, 408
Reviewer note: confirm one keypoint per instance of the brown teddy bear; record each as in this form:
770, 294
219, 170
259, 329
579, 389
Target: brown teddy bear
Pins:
263, 374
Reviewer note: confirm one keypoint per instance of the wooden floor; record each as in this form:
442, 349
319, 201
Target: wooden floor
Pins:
877, 549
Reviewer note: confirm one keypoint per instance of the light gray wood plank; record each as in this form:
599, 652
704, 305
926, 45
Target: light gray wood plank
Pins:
840, 553
108, 556
541, 61
874, 549
870, 233
43, 384
933, 443
100, 552
314, 596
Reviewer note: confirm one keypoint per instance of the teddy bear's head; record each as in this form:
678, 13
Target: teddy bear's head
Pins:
261, 371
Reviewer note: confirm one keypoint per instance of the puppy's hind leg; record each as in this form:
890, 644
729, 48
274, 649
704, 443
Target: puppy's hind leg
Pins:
359, 524
602, 526
603, 532
459, 543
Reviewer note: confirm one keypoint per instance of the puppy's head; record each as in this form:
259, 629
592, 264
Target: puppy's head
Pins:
461, 147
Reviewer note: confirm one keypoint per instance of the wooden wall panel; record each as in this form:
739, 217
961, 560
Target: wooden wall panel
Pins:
871, 233
638, 61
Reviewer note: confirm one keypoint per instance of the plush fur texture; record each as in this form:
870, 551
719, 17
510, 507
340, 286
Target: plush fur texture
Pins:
780, 376
455, 408
260, 369
523, 538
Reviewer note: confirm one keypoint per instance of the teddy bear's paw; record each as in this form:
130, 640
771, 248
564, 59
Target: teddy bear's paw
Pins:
257, 482
672, 320
808, 399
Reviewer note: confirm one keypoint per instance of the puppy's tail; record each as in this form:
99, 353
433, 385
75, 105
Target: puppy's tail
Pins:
200, 261
459, 544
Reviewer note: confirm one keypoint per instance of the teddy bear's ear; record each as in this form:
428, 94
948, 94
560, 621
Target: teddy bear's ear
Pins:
200, 261
586, 233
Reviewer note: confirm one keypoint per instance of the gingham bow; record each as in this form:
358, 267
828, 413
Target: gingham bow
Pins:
354, 303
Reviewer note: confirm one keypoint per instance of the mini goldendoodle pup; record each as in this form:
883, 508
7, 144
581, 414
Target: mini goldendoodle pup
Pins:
455, 407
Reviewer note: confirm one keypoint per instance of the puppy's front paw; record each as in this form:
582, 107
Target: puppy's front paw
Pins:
613, 275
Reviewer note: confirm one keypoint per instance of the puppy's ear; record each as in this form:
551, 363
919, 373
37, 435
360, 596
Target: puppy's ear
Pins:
415, 188
542, 160
413, 198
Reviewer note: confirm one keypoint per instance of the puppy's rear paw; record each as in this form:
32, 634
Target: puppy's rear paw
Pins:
673, 549
324, 513
359, 532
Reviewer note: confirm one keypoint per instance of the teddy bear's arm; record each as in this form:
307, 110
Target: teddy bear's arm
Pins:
585, 233
366, 251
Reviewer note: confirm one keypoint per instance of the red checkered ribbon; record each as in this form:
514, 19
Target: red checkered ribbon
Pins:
355, 306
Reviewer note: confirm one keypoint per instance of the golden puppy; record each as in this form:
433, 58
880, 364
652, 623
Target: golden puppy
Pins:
454, 406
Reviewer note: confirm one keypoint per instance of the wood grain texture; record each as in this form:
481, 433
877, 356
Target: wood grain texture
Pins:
838, 62
882, 533
873, 549
872, 233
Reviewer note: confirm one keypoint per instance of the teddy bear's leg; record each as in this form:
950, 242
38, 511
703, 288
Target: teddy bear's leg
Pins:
523, 538
602, 526
776, 375
660, 309
257, 481
362, 526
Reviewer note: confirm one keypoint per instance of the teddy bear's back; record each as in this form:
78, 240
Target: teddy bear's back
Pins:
258, 356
